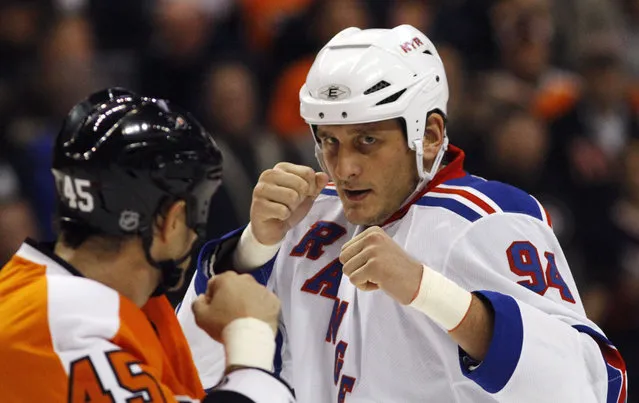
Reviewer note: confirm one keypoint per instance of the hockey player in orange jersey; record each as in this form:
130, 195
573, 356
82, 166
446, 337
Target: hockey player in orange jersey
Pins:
84, 320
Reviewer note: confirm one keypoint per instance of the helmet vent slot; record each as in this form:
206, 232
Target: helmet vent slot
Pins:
379, 86
392, 98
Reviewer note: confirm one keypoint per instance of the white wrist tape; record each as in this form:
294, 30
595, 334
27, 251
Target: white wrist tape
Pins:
249, 342
250, 253
441, 299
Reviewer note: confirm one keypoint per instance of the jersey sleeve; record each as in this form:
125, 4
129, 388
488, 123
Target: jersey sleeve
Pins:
105, 373
208, 354
543, 347
282, 362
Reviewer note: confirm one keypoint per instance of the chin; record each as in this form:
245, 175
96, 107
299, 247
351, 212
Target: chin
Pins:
359, 218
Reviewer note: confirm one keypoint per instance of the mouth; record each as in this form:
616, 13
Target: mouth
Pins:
357, 195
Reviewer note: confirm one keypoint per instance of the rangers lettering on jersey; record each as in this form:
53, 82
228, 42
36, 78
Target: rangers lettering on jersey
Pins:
325, 283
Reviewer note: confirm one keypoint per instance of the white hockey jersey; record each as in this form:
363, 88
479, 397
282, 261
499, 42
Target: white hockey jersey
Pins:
341, 344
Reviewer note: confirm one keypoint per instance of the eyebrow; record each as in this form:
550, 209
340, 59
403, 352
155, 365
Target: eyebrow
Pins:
359, 130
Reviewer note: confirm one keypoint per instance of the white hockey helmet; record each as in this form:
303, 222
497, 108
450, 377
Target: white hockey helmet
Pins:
370, 75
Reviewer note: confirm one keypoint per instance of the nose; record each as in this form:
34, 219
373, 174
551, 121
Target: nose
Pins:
347, 165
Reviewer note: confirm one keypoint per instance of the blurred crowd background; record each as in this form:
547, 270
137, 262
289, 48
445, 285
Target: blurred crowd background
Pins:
544, 95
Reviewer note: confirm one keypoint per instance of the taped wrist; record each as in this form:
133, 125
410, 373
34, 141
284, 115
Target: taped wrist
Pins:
249, 342
250, 253
443, 300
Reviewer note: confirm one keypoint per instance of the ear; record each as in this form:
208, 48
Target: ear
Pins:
433, 135
174, 219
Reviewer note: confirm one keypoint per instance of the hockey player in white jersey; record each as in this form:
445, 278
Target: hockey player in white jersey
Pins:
406, 279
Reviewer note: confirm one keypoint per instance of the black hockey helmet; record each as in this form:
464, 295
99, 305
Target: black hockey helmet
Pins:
120, 157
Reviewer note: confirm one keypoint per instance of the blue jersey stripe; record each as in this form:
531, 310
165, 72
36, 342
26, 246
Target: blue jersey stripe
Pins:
450, 204
508, 198
468, 180
329, 192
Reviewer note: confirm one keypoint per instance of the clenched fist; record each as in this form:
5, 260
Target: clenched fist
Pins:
372, 260
282, 198
231, 296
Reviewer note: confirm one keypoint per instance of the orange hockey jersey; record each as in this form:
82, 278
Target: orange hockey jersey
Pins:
66, 338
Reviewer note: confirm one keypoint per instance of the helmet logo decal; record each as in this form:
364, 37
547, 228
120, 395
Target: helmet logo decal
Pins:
129, 220
415, 43
334, 92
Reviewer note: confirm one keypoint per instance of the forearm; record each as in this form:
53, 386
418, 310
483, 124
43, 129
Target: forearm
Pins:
475, 331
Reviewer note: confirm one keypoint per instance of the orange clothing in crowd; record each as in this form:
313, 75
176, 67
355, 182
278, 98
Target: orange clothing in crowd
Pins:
284, 114
262, 18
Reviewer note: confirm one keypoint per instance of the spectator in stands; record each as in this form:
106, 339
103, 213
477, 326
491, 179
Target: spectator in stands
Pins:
16, 219
232, 113
524, 31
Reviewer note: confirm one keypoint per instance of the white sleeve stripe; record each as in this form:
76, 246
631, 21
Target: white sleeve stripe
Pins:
477, 194
461, 200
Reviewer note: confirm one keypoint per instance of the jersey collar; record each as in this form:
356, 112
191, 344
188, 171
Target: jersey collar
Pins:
40, 252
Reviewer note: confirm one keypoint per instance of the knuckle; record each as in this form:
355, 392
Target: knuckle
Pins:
346, 269
309, 174
283, 212
260, 188
304, 188
292, 197
260, 206
376, 236
281, 166
266, 174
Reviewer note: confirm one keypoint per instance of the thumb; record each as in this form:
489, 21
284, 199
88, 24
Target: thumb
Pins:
199, 305
211, 287
321, 180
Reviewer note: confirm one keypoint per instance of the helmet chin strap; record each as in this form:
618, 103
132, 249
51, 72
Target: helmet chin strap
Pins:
427, 176
318, 156
169, 268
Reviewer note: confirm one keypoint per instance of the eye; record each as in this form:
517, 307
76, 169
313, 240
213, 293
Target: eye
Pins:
368, 140
328, 140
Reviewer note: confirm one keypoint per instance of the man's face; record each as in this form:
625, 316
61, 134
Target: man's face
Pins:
372, 167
